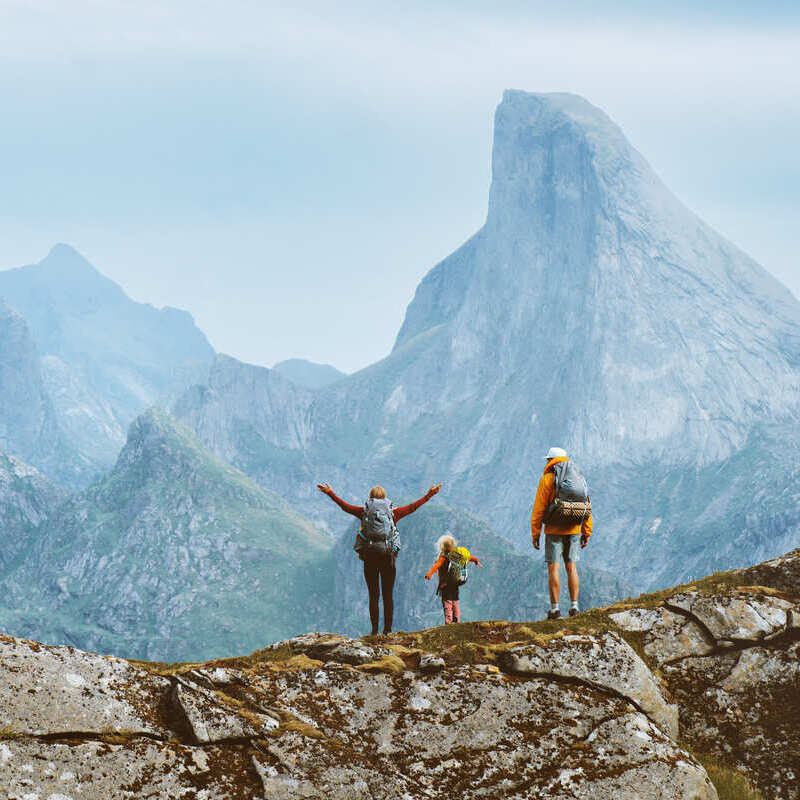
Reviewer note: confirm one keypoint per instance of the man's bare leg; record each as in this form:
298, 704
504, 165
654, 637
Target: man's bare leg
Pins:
554, 580
573, 581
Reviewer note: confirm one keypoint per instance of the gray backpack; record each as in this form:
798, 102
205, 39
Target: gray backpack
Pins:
571, 503
378, 533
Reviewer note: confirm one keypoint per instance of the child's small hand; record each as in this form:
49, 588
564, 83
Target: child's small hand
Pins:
427, 577
481, 565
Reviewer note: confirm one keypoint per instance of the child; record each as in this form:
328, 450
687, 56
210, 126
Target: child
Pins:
448, 585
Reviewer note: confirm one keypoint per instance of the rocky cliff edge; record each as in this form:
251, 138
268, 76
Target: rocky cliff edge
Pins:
629, 701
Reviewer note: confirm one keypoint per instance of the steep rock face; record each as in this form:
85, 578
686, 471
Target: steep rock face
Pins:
27, 498
259, 421
173, 555
106, 358
28, 425
592, 310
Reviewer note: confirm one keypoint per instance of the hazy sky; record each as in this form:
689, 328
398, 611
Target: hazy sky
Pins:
289, 173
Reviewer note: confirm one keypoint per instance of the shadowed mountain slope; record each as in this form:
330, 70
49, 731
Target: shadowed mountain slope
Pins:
27, 498
173, 555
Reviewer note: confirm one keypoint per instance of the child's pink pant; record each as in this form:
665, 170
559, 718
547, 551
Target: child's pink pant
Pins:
452, 611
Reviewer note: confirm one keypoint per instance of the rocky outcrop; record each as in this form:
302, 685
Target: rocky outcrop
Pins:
605, 661
730, 659
53, 691
327, 715
622, 703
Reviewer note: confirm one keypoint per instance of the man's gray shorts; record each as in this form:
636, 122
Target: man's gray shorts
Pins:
558, 547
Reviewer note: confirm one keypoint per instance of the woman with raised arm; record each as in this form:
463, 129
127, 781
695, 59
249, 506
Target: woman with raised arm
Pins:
377, 545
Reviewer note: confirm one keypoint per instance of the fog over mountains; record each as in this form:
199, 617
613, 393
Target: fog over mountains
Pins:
592, 310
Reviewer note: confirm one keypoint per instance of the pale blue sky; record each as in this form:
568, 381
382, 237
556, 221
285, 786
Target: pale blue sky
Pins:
268, 167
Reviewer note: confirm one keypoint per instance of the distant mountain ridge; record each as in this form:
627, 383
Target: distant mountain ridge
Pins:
308, 373
29, 425
104, 357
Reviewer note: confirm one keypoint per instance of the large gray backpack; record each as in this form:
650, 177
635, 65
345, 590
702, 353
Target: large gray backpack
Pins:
378, 534
571, 503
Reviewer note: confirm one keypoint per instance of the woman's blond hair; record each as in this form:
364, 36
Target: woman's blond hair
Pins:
442, 541
378, 492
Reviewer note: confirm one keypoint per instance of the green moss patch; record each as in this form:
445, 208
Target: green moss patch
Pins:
730, 784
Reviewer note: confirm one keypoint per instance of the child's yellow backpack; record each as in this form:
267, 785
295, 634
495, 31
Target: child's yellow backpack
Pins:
458, 559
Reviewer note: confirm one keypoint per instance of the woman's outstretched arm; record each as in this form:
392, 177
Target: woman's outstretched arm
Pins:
404, 511
356, 511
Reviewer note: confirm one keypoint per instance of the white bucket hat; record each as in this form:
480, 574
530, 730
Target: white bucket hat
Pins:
555, 452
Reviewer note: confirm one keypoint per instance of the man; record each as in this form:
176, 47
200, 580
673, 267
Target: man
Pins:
564, 538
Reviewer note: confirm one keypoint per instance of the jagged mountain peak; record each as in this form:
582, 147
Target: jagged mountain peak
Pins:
160, 445
556, 154
556, 114
157, 427
63, 276
579, 227
66, 256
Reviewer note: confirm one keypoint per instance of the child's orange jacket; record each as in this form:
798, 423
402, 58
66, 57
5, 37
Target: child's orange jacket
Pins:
440, 562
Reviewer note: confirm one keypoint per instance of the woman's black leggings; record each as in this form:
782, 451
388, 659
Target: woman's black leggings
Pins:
379, 573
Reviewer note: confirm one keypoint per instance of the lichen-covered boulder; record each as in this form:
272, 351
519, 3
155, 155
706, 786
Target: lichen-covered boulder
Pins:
668, 635
736, 616
212, 720
98, 770
500, 735
606, 661
48, 690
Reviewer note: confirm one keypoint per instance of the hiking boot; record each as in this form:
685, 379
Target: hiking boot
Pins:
573, 612
554, 614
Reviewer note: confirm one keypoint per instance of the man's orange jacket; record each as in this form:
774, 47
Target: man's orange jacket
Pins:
545, 495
